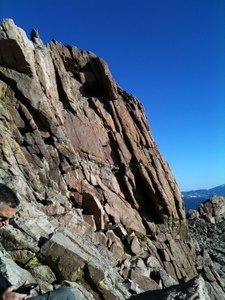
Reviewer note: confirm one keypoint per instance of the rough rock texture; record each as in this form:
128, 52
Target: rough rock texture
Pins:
192, 290
208, 231
100, 208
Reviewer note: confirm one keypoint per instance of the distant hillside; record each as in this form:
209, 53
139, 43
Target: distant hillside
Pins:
193, 198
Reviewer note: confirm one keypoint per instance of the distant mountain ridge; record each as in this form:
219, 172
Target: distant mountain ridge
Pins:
194, 197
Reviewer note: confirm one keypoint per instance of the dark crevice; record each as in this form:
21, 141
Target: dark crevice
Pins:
62, 94
91, 283
161, 199
148, 200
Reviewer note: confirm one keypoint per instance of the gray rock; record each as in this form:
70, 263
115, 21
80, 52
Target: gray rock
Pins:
193, 289
16, 275
80, 292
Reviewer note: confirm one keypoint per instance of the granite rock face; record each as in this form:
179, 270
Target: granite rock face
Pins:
100, 208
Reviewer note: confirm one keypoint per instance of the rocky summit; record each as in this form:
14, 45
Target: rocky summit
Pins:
100, 211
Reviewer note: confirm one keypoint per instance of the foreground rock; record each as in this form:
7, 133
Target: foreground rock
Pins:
100, 208
51, 254
193, 289
208, 232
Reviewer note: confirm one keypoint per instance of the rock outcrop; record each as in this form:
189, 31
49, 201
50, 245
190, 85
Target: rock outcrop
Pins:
208, 232
100, 208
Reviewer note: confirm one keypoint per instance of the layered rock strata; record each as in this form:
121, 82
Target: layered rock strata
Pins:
100, 207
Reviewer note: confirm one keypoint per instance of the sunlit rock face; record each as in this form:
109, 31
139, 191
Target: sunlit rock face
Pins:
77, 133
79, 152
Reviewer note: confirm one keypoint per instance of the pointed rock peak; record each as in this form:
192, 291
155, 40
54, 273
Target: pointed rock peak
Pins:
35, 38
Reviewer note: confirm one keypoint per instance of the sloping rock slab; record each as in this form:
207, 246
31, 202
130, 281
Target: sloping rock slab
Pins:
193, 289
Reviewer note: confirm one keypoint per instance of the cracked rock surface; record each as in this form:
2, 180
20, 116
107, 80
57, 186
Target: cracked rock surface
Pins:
100, 208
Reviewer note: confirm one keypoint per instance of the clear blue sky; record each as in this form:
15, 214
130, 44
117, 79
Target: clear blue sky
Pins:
170, 54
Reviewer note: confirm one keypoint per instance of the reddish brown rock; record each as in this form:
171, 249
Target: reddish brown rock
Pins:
79, 152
